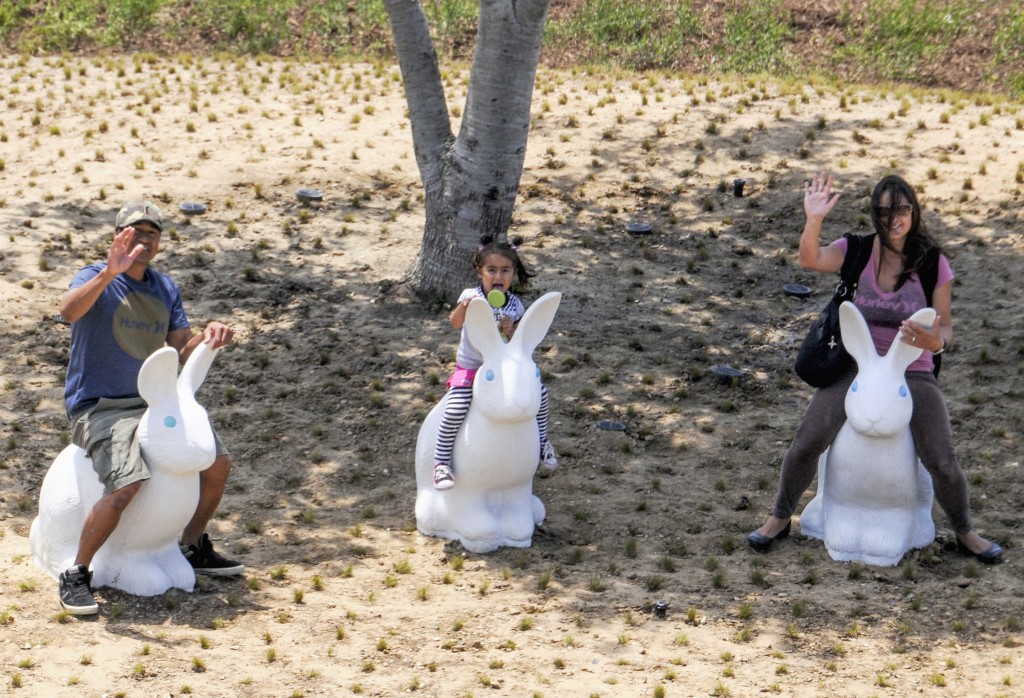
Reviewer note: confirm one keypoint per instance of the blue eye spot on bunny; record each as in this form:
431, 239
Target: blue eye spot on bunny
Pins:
874, 497
170, 422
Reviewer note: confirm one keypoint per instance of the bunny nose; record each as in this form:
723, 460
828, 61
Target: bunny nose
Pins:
522, 400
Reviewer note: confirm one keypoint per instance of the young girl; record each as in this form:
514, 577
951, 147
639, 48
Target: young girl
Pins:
498, 266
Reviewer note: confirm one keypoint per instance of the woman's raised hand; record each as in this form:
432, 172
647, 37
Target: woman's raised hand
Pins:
818, 196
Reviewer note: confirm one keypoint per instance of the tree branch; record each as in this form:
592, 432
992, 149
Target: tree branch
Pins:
424, 93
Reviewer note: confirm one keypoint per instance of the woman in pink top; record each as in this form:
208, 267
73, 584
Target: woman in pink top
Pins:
889, 291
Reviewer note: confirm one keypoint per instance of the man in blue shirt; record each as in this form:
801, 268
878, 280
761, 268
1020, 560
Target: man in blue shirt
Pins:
120, 312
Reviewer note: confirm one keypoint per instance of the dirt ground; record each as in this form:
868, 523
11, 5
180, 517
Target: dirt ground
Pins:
334, 368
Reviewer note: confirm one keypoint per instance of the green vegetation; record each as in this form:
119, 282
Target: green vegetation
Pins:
245, 26
753, 40
904, 38
1008, 46
643, 34
954, 43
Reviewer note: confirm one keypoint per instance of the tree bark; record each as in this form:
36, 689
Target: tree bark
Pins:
470, 182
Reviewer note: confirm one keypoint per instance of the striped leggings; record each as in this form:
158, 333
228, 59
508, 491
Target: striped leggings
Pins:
455, 414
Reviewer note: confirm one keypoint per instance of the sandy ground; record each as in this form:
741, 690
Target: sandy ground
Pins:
321, 398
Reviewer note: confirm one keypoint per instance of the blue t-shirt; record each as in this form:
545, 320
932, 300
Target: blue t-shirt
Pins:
129, 321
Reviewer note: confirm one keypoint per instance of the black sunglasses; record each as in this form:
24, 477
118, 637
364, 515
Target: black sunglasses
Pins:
902, 210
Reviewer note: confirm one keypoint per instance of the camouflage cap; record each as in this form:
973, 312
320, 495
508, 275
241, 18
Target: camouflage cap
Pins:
137, 211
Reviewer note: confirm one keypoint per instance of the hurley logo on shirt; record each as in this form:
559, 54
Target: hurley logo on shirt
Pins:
140, 325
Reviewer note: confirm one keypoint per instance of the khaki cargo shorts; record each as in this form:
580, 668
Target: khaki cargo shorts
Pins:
108, 434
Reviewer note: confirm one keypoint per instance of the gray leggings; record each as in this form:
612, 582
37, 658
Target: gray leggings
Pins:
929, 425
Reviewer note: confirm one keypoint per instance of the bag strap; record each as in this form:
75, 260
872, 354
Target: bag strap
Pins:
928, 273
858, 252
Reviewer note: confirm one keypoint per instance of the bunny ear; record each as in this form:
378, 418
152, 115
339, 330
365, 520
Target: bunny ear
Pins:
856, 336
196, 368
924, 316
158, 376
482, 329
902, 354
535, 323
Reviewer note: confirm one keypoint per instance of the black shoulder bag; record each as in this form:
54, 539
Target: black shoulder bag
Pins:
822, 359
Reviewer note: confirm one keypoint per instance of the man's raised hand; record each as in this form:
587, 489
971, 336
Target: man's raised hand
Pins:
122, 255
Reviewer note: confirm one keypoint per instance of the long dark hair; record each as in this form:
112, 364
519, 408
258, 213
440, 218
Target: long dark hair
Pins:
489, 246
919, 241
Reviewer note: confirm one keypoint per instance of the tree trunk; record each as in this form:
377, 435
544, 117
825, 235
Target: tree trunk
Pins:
470, 182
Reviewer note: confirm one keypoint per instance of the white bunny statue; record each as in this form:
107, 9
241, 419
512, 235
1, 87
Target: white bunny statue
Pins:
141, 556
496, 449
874, 497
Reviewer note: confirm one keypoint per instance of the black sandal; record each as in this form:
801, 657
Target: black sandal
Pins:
762, 543
992, 555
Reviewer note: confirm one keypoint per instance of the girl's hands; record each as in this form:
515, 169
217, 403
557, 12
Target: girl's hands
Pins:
506, 327
818, 196
457, 318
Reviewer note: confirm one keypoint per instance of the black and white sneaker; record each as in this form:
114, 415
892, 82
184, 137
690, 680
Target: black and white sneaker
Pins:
444, 478
75, 594
548, 457
205, 560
